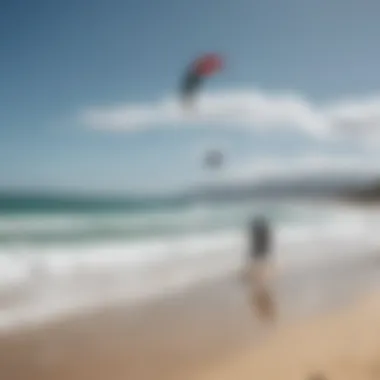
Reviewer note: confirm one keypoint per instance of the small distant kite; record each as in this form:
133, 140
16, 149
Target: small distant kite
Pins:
203, 67
213, 159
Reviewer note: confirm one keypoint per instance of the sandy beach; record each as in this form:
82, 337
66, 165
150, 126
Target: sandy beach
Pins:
211, 331
343, 345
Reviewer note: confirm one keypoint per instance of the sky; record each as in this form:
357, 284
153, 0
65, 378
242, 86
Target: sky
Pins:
89, 91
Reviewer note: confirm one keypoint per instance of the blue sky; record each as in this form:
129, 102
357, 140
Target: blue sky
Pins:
61, 60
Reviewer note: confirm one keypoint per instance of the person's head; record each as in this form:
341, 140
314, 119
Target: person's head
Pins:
258, 222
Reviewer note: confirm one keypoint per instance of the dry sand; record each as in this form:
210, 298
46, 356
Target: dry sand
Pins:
342, 346
212, 330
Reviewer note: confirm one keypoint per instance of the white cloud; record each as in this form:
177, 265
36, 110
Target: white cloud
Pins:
250, 109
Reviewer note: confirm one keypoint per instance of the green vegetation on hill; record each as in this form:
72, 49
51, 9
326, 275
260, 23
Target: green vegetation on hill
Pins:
370, 193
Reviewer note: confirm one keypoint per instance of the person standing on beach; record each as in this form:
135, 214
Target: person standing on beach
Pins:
260, 250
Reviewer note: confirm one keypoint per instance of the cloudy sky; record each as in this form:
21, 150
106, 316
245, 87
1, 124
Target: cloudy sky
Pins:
88, 95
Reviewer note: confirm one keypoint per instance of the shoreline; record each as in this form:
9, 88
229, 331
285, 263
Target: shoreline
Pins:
179, 334
284, 281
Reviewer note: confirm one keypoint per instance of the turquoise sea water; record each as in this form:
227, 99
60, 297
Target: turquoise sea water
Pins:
67, 253
48, 220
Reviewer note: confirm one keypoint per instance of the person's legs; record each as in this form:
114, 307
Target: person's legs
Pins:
260, 288
259, 272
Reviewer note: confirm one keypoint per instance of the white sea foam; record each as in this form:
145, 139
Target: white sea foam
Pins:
66, 277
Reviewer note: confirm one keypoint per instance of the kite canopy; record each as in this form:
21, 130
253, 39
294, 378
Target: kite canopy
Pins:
207, 65
203, 67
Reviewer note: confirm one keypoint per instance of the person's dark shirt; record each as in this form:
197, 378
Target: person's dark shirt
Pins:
260, 239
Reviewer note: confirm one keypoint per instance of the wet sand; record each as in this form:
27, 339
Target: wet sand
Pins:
342, 346
178, 336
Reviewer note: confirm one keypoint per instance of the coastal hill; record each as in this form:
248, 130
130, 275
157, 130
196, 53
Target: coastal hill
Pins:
305, 187
369, 193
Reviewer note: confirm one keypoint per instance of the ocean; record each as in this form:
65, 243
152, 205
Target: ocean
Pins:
63, 256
